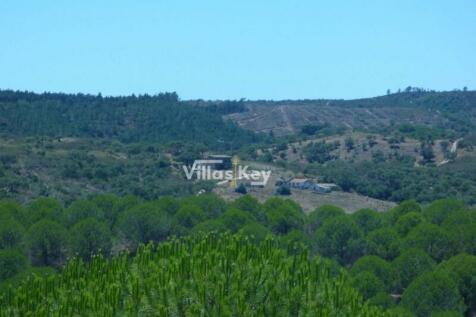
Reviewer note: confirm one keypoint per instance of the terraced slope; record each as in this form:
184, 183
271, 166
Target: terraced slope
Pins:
451, 110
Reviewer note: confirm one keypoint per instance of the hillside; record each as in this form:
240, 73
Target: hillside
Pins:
350, 202
455, 111
159, 118
70, 146
68, 168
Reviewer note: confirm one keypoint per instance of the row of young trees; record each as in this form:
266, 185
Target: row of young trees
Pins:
213, 275
400, 252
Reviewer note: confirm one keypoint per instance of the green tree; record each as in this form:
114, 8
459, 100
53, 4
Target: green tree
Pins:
235, 219
463, 238
89, 237
404, 208
399, 310
108, 206
446, 313
246, 203
459, 217
169, 204
367, 284
319, 216
409, 265
383, 242
432, 239
295, 239
375, 265
143, 223
82, 209
341, 239
383, 300
188, 215
12, 210
47, 242
11, 234
212, 205
255, 231
433, 292
461, 226
367, 219
441, 209
211, 225
12, 261
463, 268
408, 221
250, 204
283, 216
44, 208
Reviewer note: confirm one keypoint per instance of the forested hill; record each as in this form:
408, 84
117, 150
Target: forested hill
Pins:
453, 111
410, 97
158, 118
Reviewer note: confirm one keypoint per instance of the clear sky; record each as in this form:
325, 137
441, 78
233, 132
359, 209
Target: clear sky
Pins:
233, 49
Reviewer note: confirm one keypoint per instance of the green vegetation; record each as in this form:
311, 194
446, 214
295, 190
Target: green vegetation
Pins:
319, 152
96, 218
398, 179
415, 113
158, 118
68, 169
393, 253
209, 276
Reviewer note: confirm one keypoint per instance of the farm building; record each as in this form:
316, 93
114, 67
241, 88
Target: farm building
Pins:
301, 183
226, 161
304, 183
319, 188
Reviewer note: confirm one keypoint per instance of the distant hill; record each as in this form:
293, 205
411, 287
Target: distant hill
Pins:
158, 118
453, 111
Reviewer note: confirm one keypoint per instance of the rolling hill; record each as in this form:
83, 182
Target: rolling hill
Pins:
455, 110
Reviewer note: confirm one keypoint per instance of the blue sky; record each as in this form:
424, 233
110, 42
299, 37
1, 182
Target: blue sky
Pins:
233, 49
